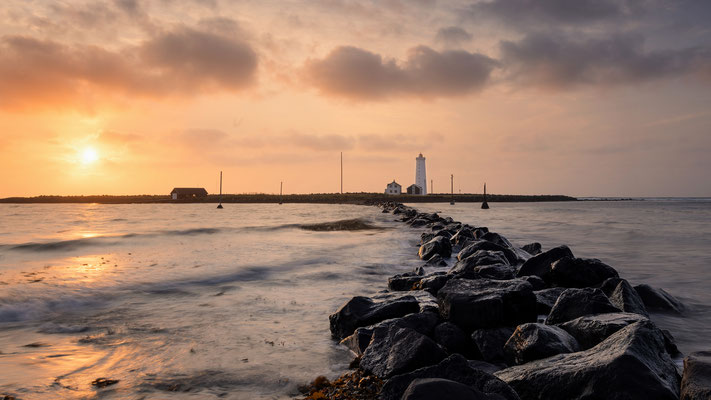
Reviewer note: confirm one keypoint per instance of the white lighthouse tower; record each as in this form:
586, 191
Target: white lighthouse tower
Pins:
421, 173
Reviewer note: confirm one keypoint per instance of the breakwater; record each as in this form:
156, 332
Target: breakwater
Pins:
506, 322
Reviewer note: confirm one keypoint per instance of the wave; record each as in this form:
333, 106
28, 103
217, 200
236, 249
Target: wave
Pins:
355, 224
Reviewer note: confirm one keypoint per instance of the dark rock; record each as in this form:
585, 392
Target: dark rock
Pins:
454, 340
496, 238
395, 350
496, 271
434, 282
659, 300
580, 272
444, 233
466, 267
696, 381
487, 303
436, 261
362, 311
490, 343
423, 323
535, 341
574, 303
104, 382
630, 364
533, 248
591, 330
536, 282
670, 343
438, 245
418, 271
540, 265
426, 237
472, 248
438, 388
546, 298
624, 297
455, 368
418, 222
462, 235
403, 282
480, 232
484, 366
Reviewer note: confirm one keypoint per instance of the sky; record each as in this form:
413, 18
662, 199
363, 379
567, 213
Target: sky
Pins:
584, 98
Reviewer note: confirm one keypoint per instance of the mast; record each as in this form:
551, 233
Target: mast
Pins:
452, 182
281, 196
341, 172
220, 205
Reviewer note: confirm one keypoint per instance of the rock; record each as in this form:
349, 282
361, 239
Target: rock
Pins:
395, 350
426, 237
496, 238
455, 368
454, 340
462, 235
696, 381
362, 311
540, 265
659, 300
574, 303
434, 282
546, 298
465, 268
630, 364
624, 297
580, 272
104, 382
535, 341
418, 222
536, 282
438, 245
403, 282
496, 271
423, 323
670, 343
484, 245
438, 388
490, 343
532, 248
484, 366
487, 303
590, 330
436, 261
426, 302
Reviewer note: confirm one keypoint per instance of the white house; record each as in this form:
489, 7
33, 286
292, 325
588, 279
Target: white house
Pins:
393, 188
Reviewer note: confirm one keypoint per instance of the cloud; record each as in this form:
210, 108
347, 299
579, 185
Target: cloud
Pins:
181, 62
517, 12
452, 36
359, 74
557, 61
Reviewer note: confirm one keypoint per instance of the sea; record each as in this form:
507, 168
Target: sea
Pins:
184, 301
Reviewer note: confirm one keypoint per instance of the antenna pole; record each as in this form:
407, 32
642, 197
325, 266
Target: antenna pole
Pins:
341, 172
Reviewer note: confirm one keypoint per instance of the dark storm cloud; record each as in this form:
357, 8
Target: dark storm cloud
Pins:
557, 61
453, 36
357, 73
179, 62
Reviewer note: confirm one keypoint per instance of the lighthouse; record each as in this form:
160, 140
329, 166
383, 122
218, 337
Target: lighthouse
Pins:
421, 173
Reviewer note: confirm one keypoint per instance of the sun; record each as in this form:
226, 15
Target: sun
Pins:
89, 156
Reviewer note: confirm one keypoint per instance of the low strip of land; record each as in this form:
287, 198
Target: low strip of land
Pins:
325, 198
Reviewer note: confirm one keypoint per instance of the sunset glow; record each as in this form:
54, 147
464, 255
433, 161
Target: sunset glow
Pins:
604, 99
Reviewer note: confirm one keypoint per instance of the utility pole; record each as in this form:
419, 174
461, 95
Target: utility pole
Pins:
431, 186
341, 172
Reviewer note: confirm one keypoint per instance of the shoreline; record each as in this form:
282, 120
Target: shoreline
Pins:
504, 322
317, 198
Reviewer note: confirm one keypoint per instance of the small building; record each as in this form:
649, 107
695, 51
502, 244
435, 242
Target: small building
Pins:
414, 189
188, 193
393, 188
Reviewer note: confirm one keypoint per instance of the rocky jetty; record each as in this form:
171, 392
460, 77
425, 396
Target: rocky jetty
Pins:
483, 318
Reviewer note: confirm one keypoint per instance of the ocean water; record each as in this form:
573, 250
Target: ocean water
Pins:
186, 301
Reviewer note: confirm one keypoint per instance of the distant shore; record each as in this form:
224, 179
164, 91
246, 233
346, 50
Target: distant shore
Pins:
323, 198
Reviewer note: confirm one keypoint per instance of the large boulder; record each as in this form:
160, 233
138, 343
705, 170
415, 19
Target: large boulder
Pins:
591, 330
423, 323
478, 245
455, 368
394, 350
535, 281
580, 272
546, 298
490, 343
487, 303
434, 282
363, 311
532, 248
438, 245
438, 388
535, 341
623, 296
484, 264
574, 303
403, 282
659, 300
696, 381
631, 364
540, 264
